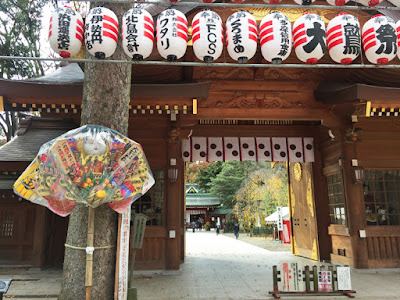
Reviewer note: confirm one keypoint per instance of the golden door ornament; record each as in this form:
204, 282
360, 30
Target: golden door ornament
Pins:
297, 171
310, 201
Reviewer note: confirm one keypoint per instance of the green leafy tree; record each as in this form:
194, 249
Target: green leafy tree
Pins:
229, 180
206, 175
20, 26
192, 170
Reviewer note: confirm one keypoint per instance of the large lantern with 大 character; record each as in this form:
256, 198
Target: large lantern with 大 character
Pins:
137, 33
90, 165
101, 34
379, 39
370, 3
275, 37
343, 38
207, 35
337, 2
309, 38
241, 36
66, 32
172, 34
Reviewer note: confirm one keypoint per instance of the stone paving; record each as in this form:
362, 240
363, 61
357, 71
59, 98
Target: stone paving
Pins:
216, 267
223, 268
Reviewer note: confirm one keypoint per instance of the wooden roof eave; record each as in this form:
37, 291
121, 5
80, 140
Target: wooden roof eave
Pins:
71, 93
341, 93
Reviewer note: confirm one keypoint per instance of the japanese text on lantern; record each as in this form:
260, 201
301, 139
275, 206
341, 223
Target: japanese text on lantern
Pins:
237, 33
64, 20
131, 29
284, 38
95, 29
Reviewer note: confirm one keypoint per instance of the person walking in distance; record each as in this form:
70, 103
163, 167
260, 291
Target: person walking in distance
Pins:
217, 229
236, 230
194, 226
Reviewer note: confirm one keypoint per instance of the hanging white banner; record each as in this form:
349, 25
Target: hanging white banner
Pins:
124, 255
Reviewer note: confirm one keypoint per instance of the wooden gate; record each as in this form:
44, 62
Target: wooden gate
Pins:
304, 237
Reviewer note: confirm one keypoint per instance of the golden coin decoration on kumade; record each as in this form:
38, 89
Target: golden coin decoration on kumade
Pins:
91, 165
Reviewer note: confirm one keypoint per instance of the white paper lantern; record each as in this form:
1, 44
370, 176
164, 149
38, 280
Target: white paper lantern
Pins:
337, 2
172, 34
101, 34
398, 38
379, 39
370, 3
208, 1
66, 32
207, 35
343, 38
309, 38
275, 37
304, 2
272, 1
237, 1
241, 36
137, 33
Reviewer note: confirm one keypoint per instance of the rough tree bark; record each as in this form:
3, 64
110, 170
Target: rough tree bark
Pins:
105, 101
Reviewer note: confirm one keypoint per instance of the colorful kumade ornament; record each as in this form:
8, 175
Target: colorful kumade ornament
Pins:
309, 38
398, 38
207, 35
343, 38
379, 39
337, 2
172, 34
66, 32
101, 35
137, 33
241, 36
275, 37
90, 165
304, 2
370, 3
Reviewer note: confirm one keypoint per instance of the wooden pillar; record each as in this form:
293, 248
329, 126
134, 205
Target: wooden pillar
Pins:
183, 216
174, 203
38, 249
355, 208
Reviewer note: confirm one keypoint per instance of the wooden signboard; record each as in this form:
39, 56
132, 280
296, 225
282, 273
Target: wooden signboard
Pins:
292, 277
324, 281
343, 278
280, 220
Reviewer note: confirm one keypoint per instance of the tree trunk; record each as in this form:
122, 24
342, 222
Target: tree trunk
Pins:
105, 101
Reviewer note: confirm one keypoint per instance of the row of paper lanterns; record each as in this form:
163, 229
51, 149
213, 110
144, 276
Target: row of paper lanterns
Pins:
309, 38
370, 3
